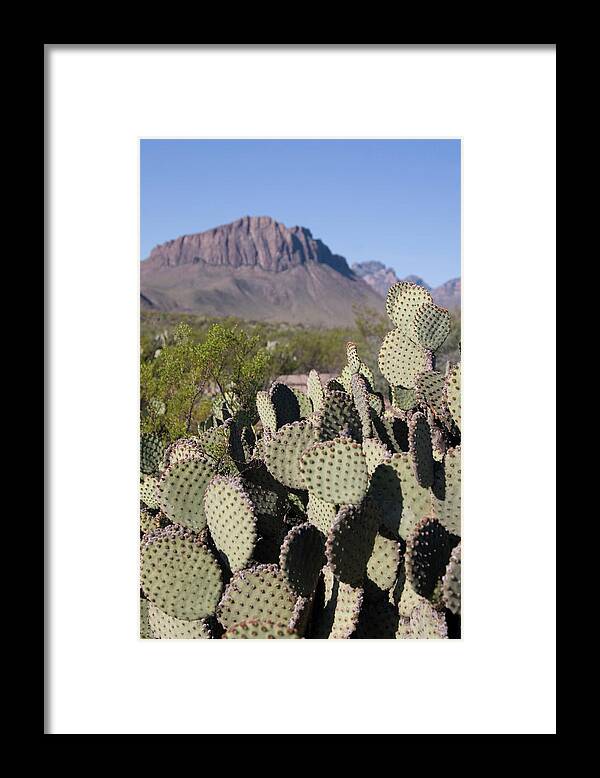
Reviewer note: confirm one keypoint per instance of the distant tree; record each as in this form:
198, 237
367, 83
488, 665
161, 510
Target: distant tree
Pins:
175, 385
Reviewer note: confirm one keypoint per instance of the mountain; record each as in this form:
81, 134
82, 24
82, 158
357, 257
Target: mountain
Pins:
258, 269
448, 295
380, 278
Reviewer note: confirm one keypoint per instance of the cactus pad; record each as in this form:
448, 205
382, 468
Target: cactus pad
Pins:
180, 575
350, 542
285, 404
421, 449
401, 361
360, 394
385, 489
335, 471
453, 393
149, 491
181, 450
376, 453
284, 449
260, 592
428, 550
145, 631
402, 303
253, 629
416, 500
314, 389
181, 491
304, 403
378, 619
339, 418
231, 520
151, 453
302, 558
165, 627
339, 616
451, 582
431, 326
426, 623
321, 514
352, 357
383, 564
266, 411
447, 500
430, 388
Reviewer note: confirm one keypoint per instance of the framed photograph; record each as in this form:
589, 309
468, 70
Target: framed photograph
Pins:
257, 325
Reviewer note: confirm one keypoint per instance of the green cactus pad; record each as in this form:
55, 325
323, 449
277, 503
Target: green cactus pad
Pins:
335, 471
181, 491
266, 411
182, 450
338, 418
428, 550
404, 631
403, 399
352, 357
148, 521
416, 500
254, 629
284, 449
261, 592
378, 620
304, 403
421, 449
314, 389
451, 582
376, 453
401, 361
216, 442
360, 395
402, 303
383, 564
350, 542
321, 514
409, 599
447, 491
430, 392
302, 558
426, 623
230, 517
452, 393
180, 575
385, 489
152, 450
285, 403
431, 326
392, 429
376, 403
145, 631
149, 491
340, 612
165, 627
335, 385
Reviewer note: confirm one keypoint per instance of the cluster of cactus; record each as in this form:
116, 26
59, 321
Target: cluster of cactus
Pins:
336, 515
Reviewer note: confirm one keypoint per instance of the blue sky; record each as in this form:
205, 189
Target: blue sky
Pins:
396, 201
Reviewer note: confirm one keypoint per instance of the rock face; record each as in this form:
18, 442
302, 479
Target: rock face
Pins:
380, 278
377, 275
253, 241
255, 269
448, 295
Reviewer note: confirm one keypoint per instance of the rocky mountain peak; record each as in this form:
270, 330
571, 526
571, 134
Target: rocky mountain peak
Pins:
250, 241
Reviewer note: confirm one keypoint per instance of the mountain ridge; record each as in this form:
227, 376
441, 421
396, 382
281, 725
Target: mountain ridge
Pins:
256, 268
380, 278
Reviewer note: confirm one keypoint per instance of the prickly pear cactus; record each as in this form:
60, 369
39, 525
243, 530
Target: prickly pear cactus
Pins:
334, 514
